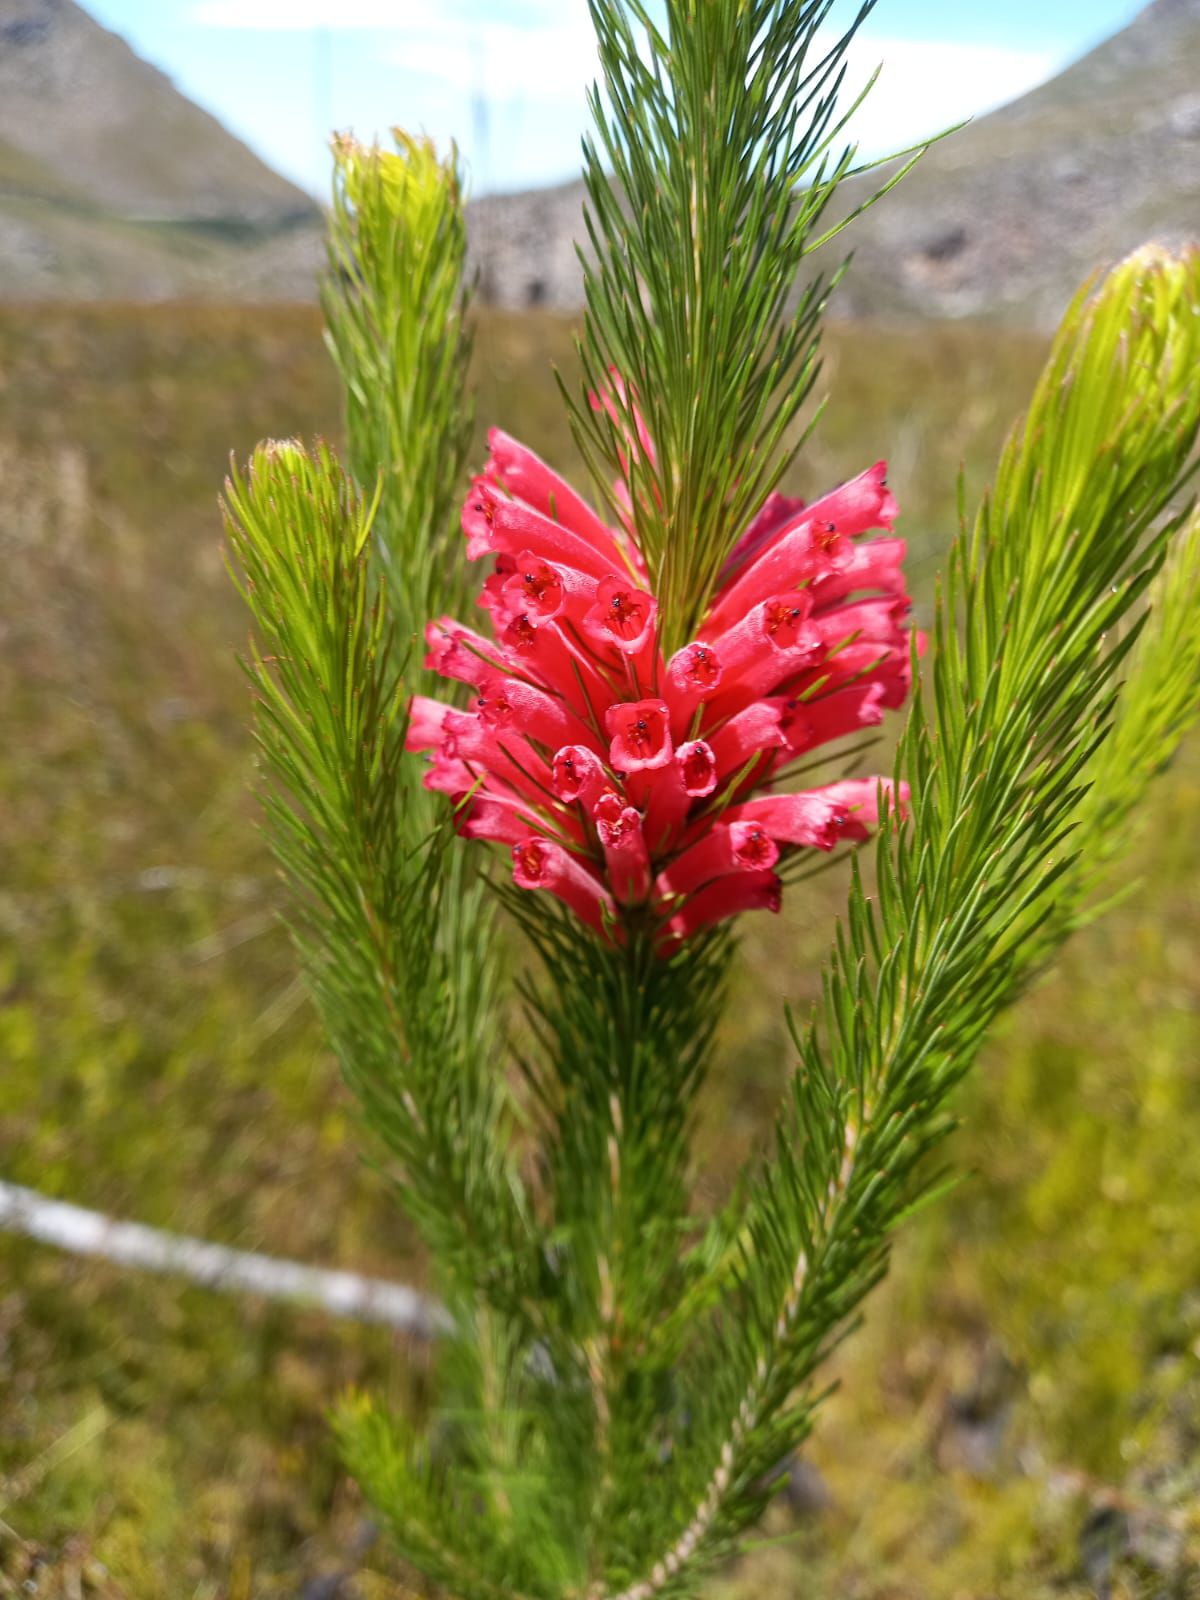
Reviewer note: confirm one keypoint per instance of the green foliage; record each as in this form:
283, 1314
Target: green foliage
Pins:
708, 178
618, 1063
402, 960
395, 311
1148, 726
393, 973
1033, 1357
985, 880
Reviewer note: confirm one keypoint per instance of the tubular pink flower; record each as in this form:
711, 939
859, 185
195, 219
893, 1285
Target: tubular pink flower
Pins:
756, 731
771, 644
814, 820
863, 661
693, 675
877, 564
494, 525
526, 477
543, 652
537, 587
858, 799
507, 754
541, 864
808, 723
508, 703
640, 731
878, 620
445, 775
495, 596
862, 503
729, 846
578, 776
697, 768
726, 897
795, 560
778, 511
853, 508
426, 723
458, 652
692, 775
495, 819
626, 859
622, 616
631, 786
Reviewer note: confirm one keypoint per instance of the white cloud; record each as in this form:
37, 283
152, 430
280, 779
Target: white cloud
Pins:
532, 81
401, 16
928, 85
506, 78
292, 15
925, 86
550, 63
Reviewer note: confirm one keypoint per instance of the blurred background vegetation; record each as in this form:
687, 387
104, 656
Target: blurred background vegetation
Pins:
1020, 1414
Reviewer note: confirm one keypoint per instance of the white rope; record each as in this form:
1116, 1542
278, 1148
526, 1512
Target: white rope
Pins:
132, 1244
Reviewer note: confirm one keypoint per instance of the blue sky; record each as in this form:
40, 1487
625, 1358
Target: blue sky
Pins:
505, 78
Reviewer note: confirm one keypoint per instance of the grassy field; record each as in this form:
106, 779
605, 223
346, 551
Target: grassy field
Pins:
1019, 1417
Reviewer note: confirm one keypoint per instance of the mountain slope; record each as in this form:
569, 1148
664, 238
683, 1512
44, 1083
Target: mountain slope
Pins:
1001, 221
112, 183
1004, 219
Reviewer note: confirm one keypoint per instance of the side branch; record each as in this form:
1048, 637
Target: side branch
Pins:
993, 866
750, 1411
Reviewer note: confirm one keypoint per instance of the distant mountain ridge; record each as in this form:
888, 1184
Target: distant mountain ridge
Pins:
1000, 221
114, 184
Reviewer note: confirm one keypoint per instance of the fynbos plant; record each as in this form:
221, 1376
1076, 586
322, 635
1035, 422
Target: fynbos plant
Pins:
636, 728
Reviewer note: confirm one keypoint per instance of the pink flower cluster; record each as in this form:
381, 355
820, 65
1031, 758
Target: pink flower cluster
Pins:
632, 785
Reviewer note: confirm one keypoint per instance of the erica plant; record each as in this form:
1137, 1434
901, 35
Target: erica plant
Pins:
519, 850
629, 786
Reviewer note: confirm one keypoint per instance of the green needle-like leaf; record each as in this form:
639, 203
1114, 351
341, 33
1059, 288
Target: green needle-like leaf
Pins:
715, 157
1019, 775
396, 318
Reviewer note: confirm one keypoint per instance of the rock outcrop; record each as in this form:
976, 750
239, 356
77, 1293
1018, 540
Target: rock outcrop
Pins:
1000, 221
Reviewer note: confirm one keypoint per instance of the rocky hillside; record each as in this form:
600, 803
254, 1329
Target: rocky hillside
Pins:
113, 184
1001, 221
